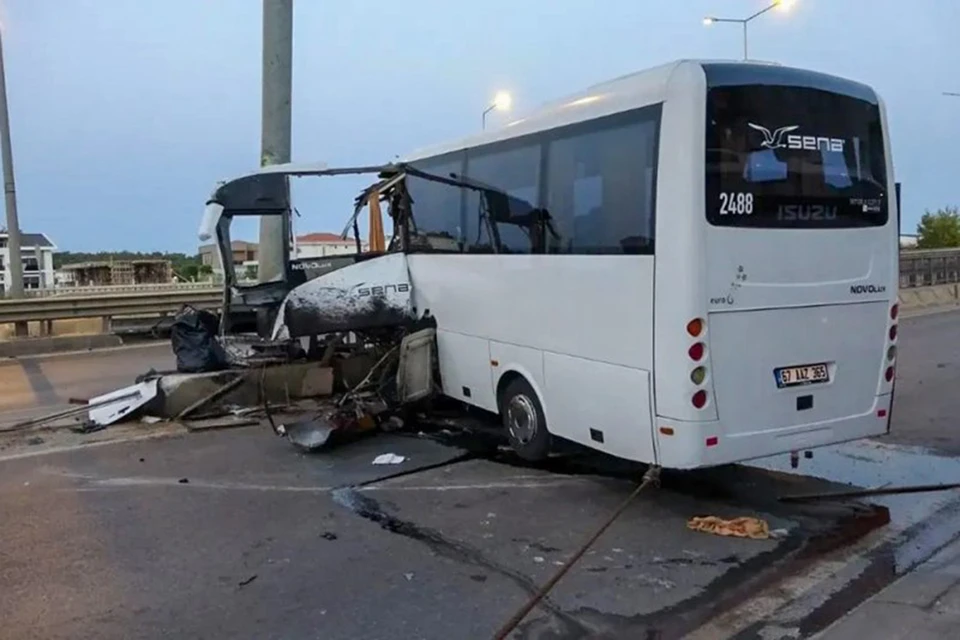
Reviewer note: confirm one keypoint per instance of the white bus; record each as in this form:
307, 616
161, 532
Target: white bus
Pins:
719, 282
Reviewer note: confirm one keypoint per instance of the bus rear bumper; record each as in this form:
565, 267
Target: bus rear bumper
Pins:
690, 445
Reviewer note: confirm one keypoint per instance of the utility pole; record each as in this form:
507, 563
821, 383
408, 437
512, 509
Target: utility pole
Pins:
276, 123
14, 282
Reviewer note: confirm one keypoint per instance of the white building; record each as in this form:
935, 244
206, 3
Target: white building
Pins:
319, 245
36, 254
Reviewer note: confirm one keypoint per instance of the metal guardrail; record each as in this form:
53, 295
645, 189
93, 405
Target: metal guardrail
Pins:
153, 302
80, 291
918, 268
928, 267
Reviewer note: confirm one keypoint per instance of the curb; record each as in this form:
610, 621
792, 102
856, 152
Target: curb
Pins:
57, 344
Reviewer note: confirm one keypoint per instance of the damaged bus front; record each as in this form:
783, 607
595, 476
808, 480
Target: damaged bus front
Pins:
265, 193
317, 296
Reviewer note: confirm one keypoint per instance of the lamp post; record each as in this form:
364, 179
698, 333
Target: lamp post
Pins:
501, 102
781, 4
14, 282
275, 128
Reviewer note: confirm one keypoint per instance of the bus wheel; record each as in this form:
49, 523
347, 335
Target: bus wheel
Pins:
524, 422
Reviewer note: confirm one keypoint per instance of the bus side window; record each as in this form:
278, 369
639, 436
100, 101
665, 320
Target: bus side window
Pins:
436, 209
515, 171
600, 186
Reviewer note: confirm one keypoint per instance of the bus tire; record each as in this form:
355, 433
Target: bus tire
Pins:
523, 420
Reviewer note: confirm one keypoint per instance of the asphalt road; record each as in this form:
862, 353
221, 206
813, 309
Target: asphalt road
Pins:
234, 534
927, 401
37, 385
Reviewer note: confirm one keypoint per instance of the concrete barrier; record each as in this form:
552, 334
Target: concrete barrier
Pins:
941, 295
57, 344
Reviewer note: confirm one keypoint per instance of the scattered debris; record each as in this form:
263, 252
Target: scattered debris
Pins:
328, 535
753, 528
123, 403
184, 480
87, 427
225, 422
194, 340
113, 403
35, 440
210, 397
408, 576
244, 583
388, 458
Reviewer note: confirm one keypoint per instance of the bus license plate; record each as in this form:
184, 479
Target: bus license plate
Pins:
806, 374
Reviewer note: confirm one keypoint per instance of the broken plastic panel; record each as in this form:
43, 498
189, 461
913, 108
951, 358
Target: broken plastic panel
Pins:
415, 368
122, 403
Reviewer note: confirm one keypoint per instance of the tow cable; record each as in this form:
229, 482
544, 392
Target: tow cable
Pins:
651, 477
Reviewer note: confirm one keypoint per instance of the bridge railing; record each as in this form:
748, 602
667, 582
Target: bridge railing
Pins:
929, 267
82, 291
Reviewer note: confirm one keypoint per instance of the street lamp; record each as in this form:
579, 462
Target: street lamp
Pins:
14, 282
777, 4
501, 102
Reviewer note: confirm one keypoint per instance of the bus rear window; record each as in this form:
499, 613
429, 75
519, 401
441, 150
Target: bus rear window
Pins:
793, 157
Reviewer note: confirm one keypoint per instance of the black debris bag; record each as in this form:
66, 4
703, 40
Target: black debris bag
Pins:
194, 340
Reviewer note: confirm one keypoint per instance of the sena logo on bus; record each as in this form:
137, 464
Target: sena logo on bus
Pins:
779, 139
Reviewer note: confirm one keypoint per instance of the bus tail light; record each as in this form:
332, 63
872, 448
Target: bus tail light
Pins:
891, 350
698, 375
699, 399
696, 351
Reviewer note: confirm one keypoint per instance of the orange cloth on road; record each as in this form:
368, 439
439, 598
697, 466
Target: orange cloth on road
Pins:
754, 528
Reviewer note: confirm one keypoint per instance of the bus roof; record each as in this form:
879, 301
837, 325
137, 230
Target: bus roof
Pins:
611, 96
620, 94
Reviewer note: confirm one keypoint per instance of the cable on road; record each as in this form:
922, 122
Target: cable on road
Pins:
651, 477
865, 493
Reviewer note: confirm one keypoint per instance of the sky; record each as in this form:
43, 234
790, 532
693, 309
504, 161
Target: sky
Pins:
125, 113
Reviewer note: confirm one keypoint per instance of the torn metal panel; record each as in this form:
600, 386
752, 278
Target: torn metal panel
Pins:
370, 294
248, 351
122, 403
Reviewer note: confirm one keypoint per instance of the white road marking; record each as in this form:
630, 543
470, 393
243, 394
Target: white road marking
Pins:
96, 483
40, 451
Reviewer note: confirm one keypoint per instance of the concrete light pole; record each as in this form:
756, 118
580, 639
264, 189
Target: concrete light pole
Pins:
276, 125
14, 283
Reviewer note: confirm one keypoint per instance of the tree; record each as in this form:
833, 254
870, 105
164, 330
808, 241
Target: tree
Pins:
940, 229
251, 272
189, 272
206, 270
